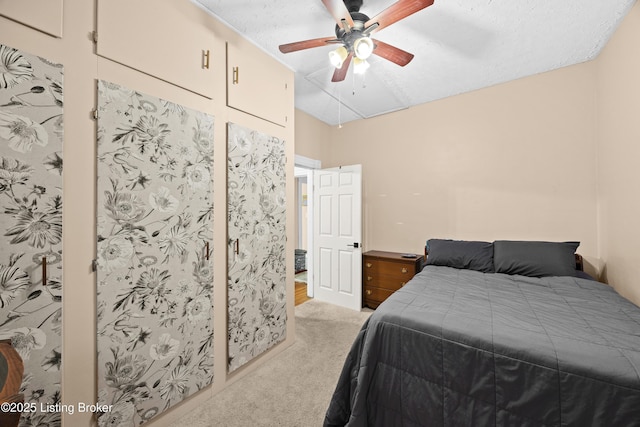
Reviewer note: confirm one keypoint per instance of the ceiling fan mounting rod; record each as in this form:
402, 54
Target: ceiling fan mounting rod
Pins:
359, 20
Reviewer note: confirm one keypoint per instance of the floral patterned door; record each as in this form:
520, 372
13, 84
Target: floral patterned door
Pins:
155, 228
257, 242
31, 223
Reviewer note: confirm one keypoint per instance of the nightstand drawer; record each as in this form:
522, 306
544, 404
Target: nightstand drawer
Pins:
374, 296
389, 268
392, 283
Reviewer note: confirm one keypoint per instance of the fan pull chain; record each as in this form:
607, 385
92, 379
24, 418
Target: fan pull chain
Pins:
353, 84
339, 109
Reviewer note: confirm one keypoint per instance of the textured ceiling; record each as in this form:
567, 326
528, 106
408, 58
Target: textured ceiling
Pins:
459, 46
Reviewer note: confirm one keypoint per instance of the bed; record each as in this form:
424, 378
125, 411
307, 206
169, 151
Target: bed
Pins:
473, 341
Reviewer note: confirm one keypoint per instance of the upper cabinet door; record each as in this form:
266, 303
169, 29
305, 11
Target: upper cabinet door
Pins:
48, 19
259, 85
172, 40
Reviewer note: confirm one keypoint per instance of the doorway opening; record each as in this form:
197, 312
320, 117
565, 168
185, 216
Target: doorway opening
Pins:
303, 173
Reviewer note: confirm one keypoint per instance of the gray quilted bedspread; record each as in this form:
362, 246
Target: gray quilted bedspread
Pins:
463, 348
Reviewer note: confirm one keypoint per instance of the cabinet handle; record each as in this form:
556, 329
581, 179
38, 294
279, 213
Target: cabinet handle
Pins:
237, 247
404, 270
369, 278
236, 75
44, 271
205, 59
207, 250
368, 291
369, 265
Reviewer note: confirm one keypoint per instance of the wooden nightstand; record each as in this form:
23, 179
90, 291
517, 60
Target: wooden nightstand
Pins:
383, 273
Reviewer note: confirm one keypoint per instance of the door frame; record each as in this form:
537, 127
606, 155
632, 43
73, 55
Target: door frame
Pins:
309, 164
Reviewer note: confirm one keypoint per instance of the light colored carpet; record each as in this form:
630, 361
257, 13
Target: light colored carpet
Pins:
295, 387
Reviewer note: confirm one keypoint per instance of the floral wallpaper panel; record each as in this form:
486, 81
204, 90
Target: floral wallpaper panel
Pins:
257, 241
155, 230
31, 131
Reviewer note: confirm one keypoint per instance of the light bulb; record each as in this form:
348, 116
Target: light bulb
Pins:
363, 47
337, 57
360, 66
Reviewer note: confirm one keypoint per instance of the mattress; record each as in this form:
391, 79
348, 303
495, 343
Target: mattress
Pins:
460, 347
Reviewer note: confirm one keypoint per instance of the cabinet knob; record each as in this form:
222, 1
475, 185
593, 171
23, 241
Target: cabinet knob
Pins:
368, 291
369, 278
403, 283
404, 270
369, 265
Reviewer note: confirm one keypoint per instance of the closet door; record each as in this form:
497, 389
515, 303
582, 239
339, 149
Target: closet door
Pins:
168, 39
48, 19
154, 269
249, 72
31, 222
256, 231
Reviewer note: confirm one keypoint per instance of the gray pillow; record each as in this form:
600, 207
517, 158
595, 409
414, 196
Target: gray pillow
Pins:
535, 259
461, 254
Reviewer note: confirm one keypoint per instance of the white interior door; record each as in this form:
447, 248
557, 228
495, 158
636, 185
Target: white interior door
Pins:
337, 239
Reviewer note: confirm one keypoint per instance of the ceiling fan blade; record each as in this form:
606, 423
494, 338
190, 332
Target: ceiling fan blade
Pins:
339, 11
396, 12
341, 72
307, 44
392, 53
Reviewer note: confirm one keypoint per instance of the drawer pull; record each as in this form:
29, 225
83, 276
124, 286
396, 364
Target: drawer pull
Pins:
368, 291
369, 265
404, 270
369, 278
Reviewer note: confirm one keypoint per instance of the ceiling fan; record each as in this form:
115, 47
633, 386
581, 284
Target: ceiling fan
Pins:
353, 33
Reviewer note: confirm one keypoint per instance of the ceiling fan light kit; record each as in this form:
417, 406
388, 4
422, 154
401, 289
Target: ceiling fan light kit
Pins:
353, 31
360, 66
363, 47
337, 57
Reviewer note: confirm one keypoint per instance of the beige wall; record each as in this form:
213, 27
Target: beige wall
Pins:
82, 67
618, 92
313, 137
514, 161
